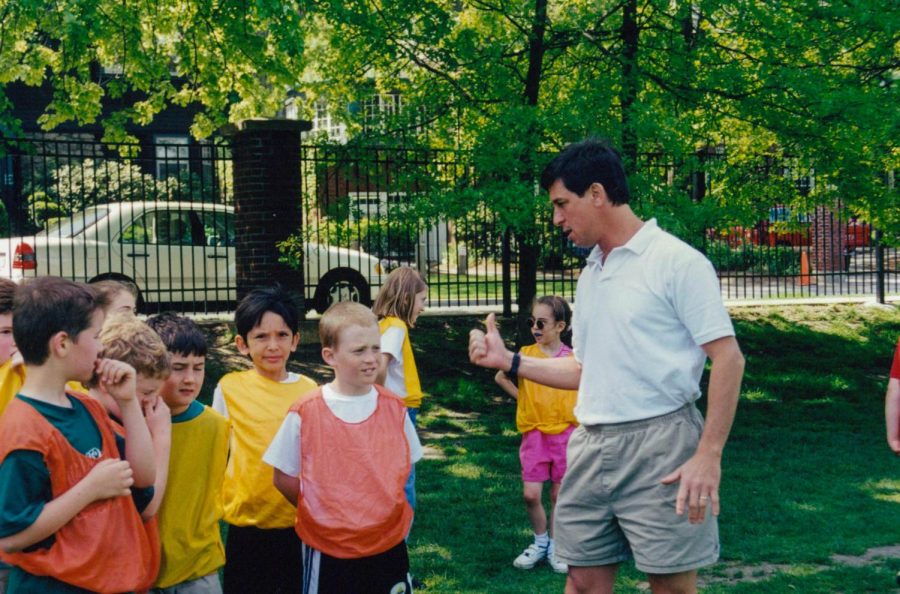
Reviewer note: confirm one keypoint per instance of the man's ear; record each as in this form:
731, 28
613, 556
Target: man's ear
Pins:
295, 341
241, 345
598, 194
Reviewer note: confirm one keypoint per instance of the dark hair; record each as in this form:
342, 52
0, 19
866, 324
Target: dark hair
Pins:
180, 334
590, 161
256, 303
7, 292
46, 305
561, 313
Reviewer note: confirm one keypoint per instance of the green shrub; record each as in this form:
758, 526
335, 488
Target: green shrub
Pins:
754, 259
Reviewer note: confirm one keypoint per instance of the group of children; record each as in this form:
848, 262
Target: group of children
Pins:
114, 478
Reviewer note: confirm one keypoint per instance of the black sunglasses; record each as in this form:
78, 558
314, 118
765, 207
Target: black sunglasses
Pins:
539, 323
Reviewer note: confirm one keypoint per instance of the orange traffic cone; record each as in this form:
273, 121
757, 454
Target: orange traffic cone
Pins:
805, 278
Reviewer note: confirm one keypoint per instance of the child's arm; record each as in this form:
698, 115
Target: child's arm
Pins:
159, 421
510, 388
384, 360
892, 414
118, 380
287, 485
284, 456
109, 478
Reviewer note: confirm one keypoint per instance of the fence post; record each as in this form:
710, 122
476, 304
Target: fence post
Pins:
879, 268
267, 202
507, 276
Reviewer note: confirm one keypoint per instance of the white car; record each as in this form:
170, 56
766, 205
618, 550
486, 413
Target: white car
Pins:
175, 252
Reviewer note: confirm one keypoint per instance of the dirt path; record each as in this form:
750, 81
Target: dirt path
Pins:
735, 573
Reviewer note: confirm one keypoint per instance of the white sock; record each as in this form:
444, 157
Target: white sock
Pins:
542, 540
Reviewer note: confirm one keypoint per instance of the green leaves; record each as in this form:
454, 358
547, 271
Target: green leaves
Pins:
231, 58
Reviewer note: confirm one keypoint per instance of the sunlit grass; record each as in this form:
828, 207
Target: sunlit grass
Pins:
806, 473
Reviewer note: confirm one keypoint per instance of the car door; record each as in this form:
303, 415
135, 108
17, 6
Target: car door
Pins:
218, 254
160, 244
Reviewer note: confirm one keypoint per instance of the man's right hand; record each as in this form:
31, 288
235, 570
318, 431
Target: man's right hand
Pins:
487, 349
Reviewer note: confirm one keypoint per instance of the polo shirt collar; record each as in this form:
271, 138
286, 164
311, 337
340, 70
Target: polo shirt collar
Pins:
637, 244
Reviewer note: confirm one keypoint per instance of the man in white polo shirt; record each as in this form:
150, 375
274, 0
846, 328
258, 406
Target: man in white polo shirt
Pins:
643, 469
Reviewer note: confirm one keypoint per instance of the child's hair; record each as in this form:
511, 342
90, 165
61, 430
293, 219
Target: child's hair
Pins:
256, 303
561, 313
180, 334
7, 292
110, 288
46, 305
343, 314
128, 339
397, 297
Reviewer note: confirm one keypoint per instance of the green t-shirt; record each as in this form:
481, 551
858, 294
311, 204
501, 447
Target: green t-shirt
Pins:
25, 485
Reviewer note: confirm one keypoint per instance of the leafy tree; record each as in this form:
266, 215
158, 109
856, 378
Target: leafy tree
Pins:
232, 58
810, 81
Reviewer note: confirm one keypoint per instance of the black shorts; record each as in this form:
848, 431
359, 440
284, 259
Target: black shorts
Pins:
262, 560
384, 573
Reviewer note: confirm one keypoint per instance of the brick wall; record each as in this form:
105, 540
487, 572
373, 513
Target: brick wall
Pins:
827, 241
267, 201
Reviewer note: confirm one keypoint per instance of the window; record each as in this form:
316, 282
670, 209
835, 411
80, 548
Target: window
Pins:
171, 155
160, 227
218, 228
322, 121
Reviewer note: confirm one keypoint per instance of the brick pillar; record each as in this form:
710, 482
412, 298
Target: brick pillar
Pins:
827, 241
267, 201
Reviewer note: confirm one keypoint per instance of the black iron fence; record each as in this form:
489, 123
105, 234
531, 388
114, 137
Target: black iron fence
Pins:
160, 215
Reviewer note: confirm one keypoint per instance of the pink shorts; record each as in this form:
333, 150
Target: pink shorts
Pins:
543, 455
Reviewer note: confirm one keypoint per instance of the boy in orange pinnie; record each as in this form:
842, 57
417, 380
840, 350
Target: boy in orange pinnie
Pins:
342, 456
67, 519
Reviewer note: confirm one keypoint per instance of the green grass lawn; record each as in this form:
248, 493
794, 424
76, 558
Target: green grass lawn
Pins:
807, 472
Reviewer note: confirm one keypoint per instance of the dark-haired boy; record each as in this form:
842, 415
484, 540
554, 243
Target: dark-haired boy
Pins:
262, 553
67, 520
192, 550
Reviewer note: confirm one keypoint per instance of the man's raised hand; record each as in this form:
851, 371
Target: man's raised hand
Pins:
486, 347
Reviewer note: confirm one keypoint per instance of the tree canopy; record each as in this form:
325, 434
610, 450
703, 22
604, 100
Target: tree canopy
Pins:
669, 81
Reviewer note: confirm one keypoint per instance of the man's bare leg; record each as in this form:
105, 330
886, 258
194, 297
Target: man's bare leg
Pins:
674, 583
598, 579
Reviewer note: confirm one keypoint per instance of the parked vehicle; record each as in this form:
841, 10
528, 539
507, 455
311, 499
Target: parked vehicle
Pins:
782, 228
175, 252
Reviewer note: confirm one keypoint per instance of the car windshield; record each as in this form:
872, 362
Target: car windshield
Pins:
72, 226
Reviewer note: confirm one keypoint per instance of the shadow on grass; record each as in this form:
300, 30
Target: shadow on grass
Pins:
807, 472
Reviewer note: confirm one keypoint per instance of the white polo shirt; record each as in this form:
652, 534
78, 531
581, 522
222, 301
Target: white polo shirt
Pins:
640, 320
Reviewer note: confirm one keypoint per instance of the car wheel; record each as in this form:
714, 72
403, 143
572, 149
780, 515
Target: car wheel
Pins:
342, 285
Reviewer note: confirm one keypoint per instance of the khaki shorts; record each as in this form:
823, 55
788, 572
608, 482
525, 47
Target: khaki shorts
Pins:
612, 506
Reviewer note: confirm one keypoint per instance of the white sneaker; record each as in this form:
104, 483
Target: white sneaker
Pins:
557, 565
530, 557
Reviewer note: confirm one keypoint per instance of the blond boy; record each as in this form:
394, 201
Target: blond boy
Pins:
357, 445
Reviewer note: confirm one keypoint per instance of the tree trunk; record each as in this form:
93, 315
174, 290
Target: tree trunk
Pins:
628, 95
528, 246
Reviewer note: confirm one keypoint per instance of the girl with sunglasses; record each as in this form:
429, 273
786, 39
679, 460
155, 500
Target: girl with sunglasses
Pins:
545, 418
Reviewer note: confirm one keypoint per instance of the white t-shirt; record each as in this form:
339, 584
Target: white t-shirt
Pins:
218, 401
639, 323
392, 344
284, 451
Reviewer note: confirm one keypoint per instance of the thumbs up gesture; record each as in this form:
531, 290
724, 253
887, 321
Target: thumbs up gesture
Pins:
486, 347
